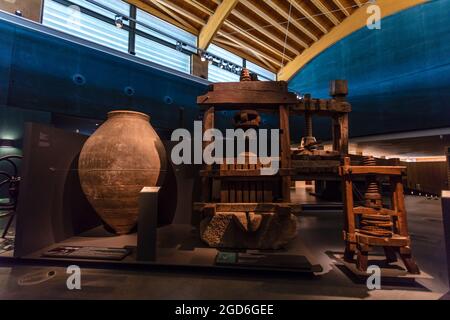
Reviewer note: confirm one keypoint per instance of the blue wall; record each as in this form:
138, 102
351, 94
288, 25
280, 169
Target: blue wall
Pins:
399, 76
36, 79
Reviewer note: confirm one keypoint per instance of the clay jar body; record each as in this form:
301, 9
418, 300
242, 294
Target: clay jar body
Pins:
124, 155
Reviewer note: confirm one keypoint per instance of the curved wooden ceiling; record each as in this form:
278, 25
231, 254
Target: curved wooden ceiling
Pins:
279, 35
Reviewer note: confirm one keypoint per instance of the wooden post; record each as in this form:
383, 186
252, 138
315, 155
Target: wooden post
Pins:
400, 203
208, 123
285, 151
199, 68
339, 92
349, 217
340, 133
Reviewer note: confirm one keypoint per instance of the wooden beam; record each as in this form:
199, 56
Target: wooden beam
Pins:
181, 11
246, 47
256, 40
237, 49
297, 24
351, 24
173, 14
242, 17
359, 3
272, 21
307, 15
341, 7
326, 11
215, 22
267, 33
235, 28
148, 8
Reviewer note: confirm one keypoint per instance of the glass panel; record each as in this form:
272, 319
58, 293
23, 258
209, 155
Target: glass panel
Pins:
74, 22
217, 74
263, 74
163, 55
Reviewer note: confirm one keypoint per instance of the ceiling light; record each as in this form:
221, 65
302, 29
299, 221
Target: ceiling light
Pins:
119, 21
179, 46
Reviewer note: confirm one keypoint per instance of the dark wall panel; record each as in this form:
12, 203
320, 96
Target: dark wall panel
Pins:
43, 72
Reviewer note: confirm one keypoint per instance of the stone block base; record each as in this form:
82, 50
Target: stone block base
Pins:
240, 230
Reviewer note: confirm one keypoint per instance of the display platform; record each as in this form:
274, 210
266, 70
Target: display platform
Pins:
393, 273
179, 247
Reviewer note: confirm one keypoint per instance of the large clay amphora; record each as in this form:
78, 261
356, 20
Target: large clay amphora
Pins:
124, 155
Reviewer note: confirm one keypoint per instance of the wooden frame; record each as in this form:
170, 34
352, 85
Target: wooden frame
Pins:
360, 243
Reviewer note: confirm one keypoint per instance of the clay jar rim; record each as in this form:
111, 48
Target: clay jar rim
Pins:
137, 114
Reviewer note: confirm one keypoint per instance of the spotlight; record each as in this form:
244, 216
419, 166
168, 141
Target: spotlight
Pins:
119, 21
18, 13
222, 64
203, 57
179, 46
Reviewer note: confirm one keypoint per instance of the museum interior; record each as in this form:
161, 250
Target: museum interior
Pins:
225, 149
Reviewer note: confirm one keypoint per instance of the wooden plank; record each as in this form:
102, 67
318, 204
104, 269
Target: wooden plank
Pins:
325, 106
245, 192
327, 12
208, 123
259, 191
382, 170
224, 191
273, 22
366, 210
400, 204
246, 98
252, 191
232, 191
267, 191
285, 152
395, 241
238, 189
271, 86
241, 173
248, 207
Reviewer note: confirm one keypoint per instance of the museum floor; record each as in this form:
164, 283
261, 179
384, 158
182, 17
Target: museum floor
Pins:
320, 235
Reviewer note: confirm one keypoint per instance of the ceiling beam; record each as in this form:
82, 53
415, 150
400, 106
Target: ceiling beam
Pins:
265, 32
173, 14
148, 8
359, 3
307, 15
325, 11
245, 47
181, 11
285, 15
273, 22
238, 45
351, 24
341, 7
215, 22
242, 32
